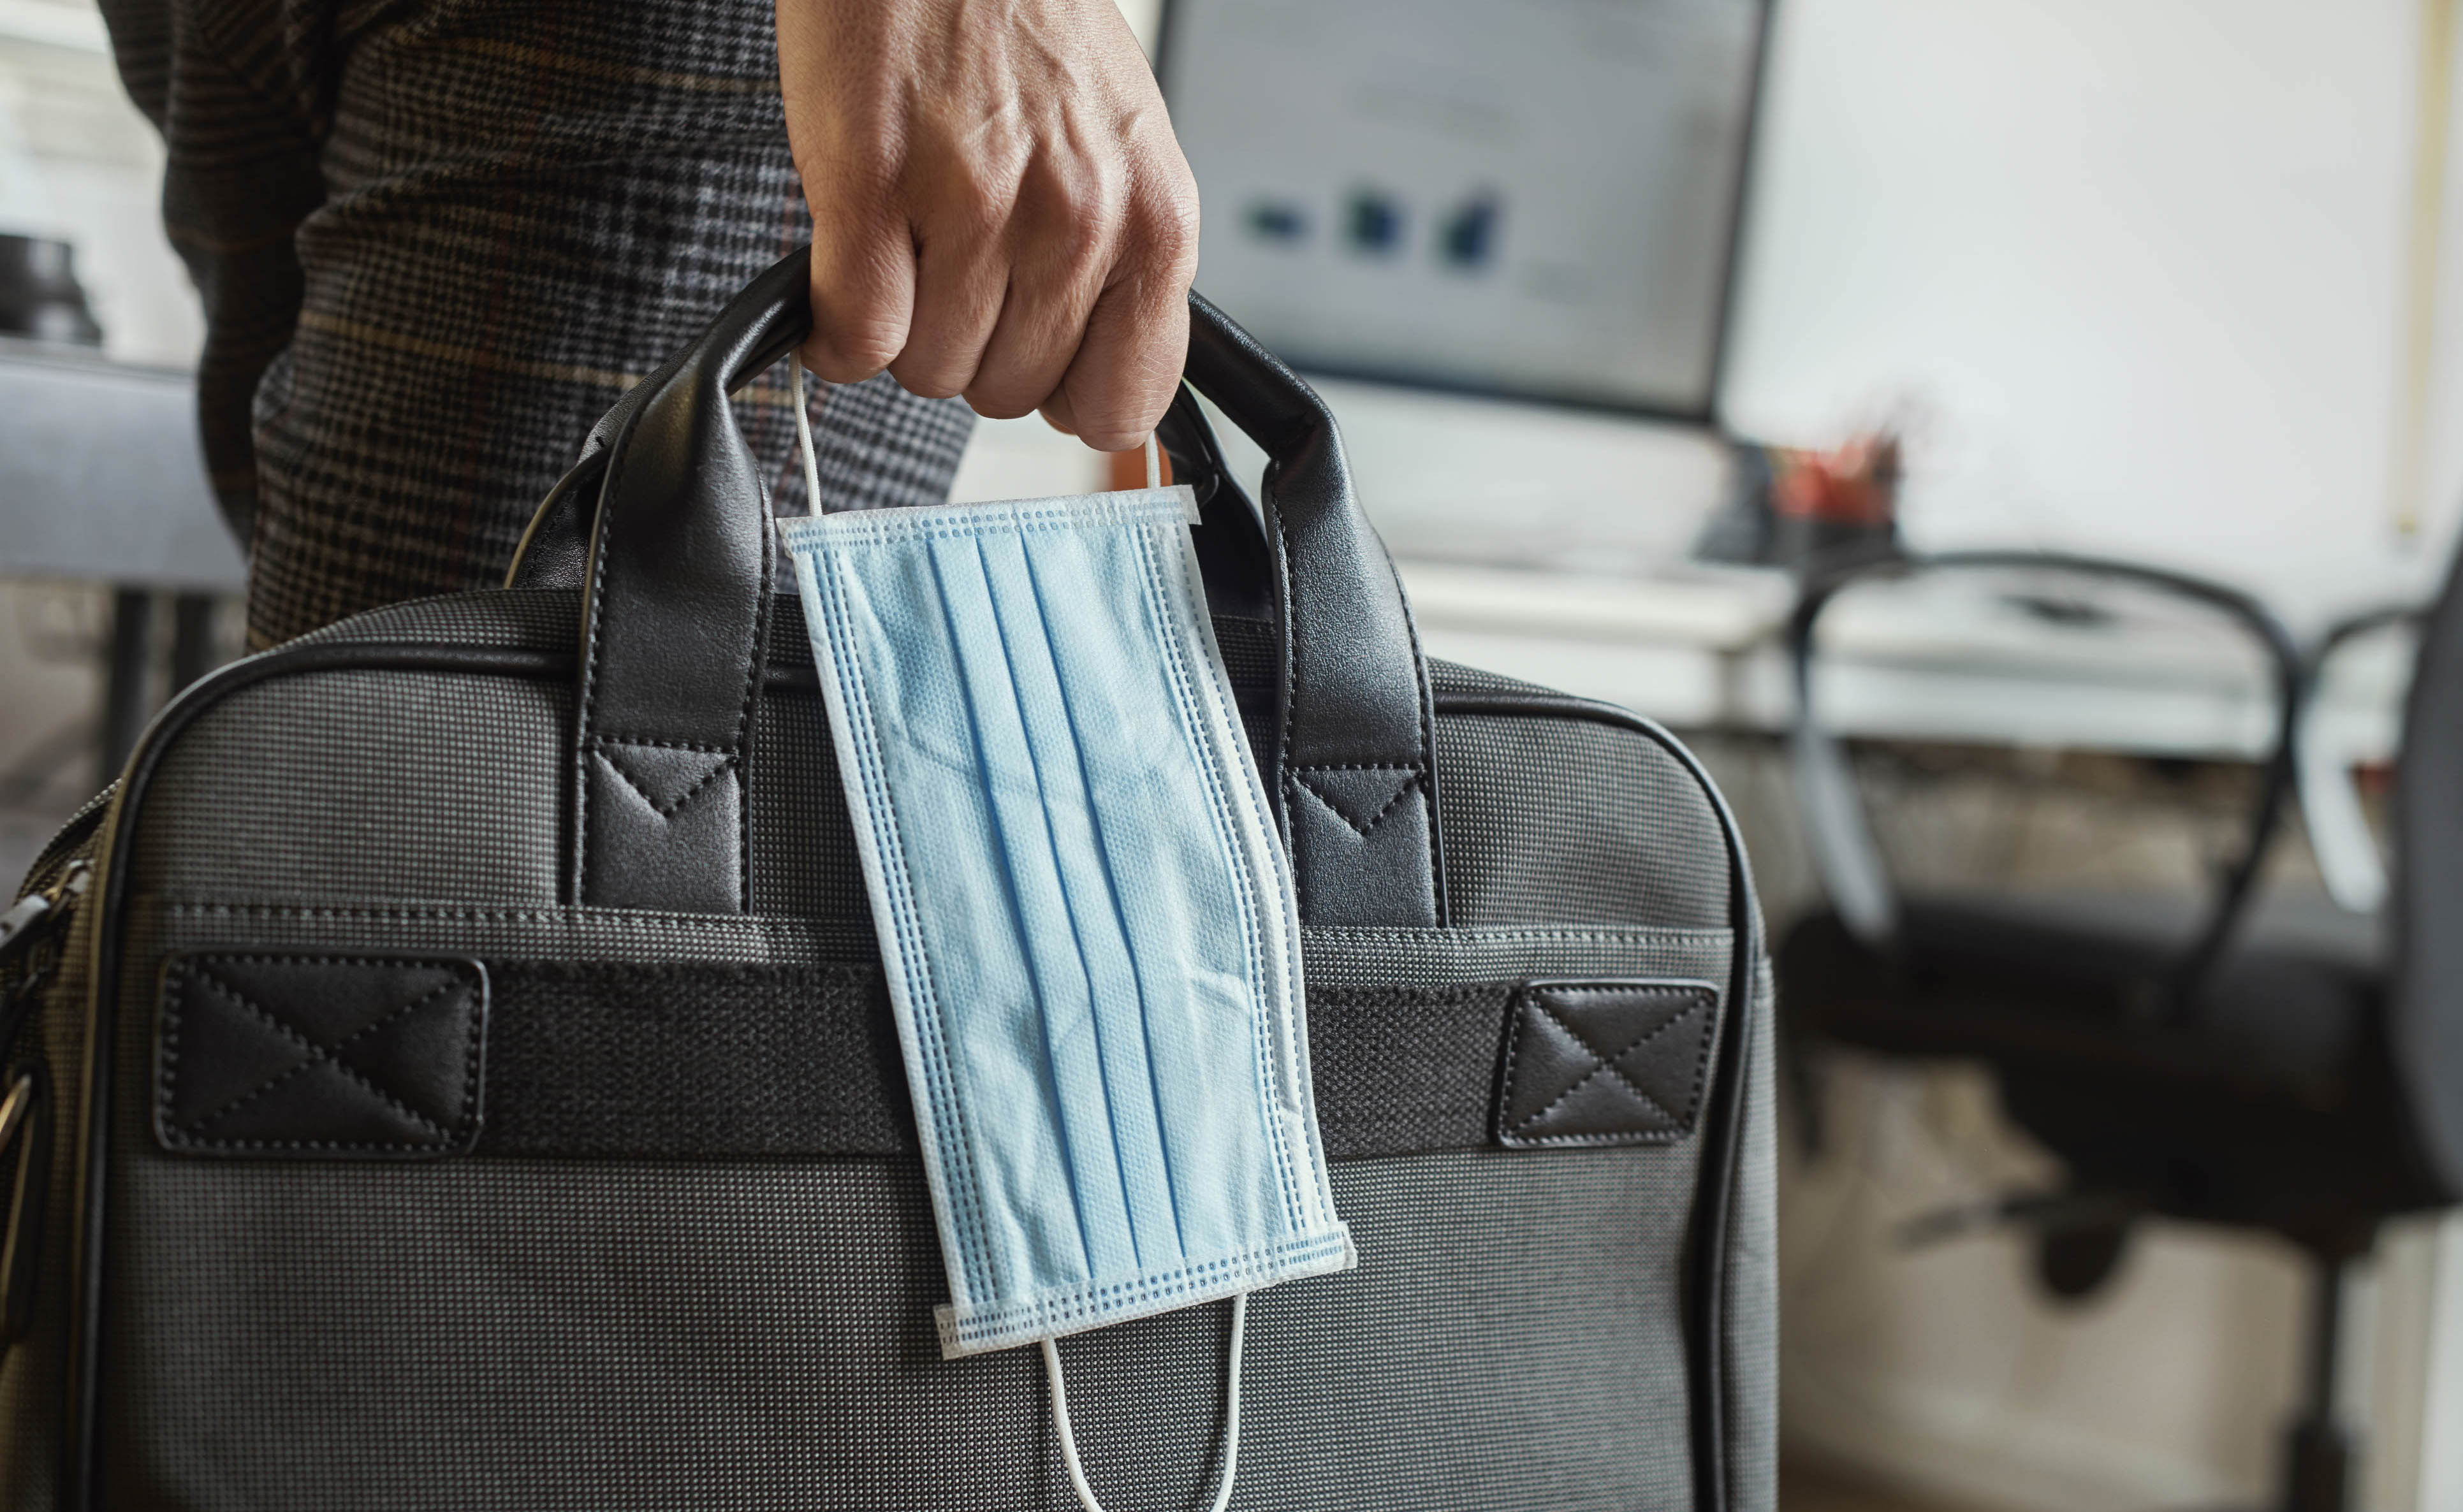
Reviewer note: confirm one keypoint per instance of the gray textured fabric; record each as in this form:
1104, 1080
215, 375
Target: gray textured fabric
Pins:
271, 793
557, 1336
512, 1332
524, 618
1567, 822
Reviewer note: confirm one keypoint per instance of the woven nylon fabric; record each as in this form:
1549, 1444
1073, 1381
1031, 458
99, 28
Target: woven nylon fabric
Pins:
729, 1062
551, 1336
273, 791
1338, 956
521, 619
1570, 822
1395, 1068
475, 759
804, 862
706, 1061
578, 1332
1452, 680
438, 238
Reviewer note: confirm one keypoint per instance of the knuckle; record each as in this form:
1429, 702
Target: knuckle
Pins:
992, 402
1168, 220
974, 202
1080, 244
856, 344
925, 385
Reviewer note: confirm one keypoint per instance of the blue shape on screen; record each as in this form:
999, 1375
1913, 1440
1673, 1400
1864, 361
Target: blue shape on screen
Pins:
1278, 221
1374, 224
1468, 238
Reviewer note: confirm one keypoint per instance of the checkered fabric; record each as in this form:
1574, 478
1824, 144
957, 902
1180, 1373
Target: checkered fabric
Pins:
437, 238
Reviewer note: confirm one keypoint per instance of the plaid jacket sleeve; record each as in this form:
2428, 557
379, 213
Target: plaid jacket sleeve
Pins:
436, 238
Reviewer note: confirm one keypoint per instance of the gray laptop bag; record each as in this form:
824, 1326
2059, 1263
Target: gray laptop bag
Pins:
451, 1069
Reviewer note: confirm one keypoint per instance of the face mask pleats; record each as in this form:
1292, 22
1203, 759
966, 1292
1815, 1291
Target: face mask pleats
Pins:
1085, 906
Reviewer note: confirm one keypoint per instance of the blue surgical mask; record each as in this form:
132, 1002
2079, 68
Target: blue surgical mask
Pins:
1084, 911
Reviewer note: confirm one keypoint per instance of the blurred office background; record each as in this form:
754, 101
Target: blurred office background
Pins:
2177, 282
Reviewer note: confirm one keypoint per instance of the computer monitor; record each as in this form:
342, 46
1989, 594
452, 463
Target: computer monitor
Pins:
1532, 198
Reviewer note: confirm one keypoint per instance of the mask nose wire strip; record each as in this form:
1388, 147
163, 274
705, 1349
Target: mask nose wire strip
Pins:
804, 439
1231, 1420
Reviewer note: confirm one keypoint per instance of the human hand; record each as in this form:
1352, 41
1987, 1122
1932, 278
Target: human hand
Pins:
999, 207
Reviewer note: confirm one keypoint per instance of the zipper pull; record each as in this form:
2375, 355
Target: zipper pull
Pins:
39, 913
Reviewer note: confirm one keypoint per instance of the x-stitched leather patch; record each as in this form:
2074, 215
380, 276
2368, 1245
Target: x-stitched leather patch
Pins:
1604, 1063
259, 1054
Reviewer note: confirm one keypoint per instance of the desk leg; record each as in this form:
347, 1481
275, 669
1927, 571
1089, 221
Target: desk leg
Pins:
126, 689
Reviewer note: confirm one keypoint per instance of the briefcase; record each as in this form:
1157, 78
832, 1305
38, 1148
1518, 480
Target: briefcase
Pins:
451, 1067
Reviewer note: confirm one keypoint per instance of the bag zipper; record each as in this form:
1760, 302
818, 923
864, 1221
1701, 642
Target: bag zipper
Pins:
71, 834
30, 930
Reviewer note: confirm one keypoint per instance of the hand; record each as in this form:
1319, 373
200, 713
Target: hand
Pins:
999, 207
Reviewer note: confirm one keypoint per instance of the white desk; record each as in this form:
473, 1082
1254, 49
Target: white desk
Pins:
1699, 648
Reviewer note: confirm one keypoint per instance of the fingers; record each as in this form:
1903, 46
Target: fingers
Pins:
1125, 371
1063, 242
999, 209
864, 296
844, 140
964, 210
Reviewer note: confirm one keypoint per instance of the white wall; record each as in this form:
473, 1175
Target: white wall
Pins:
2138, 264
2139, 260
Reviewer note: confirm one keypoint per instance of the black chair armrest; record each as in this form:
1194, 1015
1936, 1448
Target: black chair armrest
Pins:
1844, 854
2330, 807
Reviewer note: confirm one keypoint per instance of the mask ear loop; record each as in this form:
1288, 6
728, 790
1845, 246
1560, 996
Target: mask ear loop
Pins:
1154, 462
804, 438
1232, 1391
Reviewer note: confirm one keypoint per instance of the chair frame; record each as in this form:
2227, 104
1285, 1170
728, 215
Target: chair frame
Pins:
1844, 852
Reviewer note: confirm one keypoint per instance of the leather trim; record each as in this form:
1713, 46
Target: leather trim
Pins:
1604, 1063
1354, 685
1231, 538
320, 1054
675, 621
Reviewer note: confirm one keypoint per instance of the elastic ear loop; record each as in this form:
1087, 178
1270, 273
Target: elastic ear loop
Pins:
804, 438
1230, 1421
813, 467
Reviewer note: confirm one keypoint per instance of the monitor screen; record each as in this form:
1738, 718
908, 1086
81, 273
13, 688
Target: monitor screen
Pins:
1526, 196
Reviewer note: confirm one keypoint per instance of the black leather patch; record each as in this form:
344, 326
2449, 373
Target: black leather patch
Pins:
1604, 1063
320, 1055
665, 825
1361, 848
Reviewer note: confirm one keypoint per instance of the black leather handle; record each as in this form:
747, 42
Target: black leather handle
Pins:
676, 577
1355, 774
675, 614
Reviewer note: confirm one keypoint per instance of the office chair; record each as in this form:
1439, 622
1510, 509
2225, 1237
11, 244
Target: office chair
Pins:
2236, 1065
